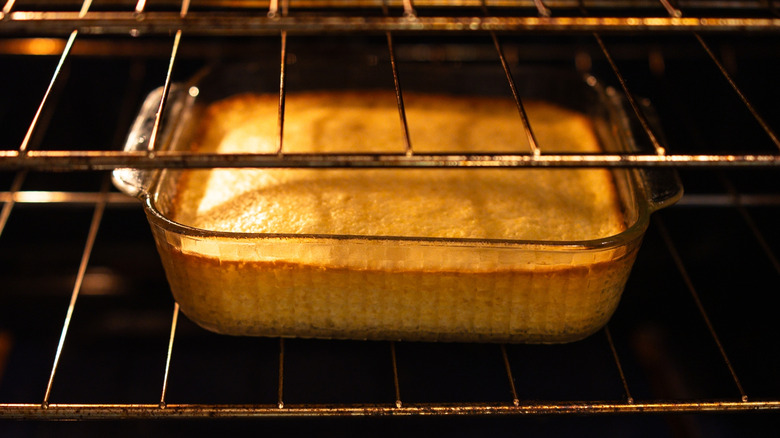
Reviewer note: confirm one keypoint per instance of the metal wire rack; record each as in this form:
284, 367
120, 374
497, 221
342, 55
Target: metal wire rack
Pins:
53, 28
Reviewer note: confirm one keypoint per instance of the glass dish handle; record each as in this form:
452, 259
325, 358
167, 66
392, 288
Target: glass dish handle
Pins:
662, 185
136, 182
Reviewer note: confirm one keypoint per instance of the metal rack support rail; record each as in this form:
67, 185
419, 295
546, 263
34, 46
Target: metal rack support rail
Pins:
108, 160
243, 23
139, 411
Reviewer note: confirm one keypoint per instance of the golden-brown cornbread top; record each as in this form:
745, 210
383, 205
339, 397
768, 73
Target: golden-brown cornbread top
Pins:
527, 204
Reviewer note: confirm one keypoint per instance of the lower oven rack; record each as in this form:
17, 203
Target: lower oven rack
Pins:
33, 158
514, 404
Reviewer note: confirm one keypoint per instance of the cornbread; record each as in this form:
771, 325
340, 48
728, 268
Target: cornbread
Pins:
418, 254
482, 204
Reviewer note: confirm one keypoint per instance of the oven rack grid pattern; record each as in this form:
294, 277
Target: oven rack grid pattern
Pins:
278, 21
514, 404
664, 18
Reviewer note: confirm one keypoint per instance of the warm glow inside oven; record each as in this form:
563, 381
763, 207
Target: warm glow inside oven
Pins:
88, 330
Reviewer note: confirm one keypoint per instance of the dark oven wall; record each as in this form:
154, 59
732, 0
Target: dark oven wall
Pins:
88, 327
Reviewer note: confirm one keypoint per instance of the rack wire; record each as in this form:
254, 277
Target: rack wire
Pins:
270, 21
64, 27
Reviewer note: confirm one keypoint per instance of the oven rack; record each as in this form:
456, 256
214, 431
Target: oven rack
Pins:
514, 404
264, 18
27, 158
275, 18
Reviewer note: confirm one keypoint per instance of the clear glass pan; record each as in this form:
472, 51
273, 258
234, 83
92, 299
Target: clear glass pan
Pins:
380, 287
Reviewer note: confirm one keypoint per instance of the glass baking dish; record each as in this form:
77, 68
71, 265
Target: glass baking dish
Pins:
396, 287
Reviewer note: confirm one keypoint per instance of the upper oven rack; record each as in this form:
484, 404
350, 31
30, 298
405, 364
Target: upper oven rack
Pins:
389, 18
401, 17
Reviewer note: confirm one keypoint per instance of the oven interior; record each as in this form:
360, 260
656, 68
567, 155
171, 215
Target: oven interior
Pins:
89, 331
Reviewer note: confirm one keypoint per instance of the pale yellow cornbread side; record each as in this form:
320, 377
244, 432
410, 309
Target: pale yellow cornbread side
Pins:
381, 290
